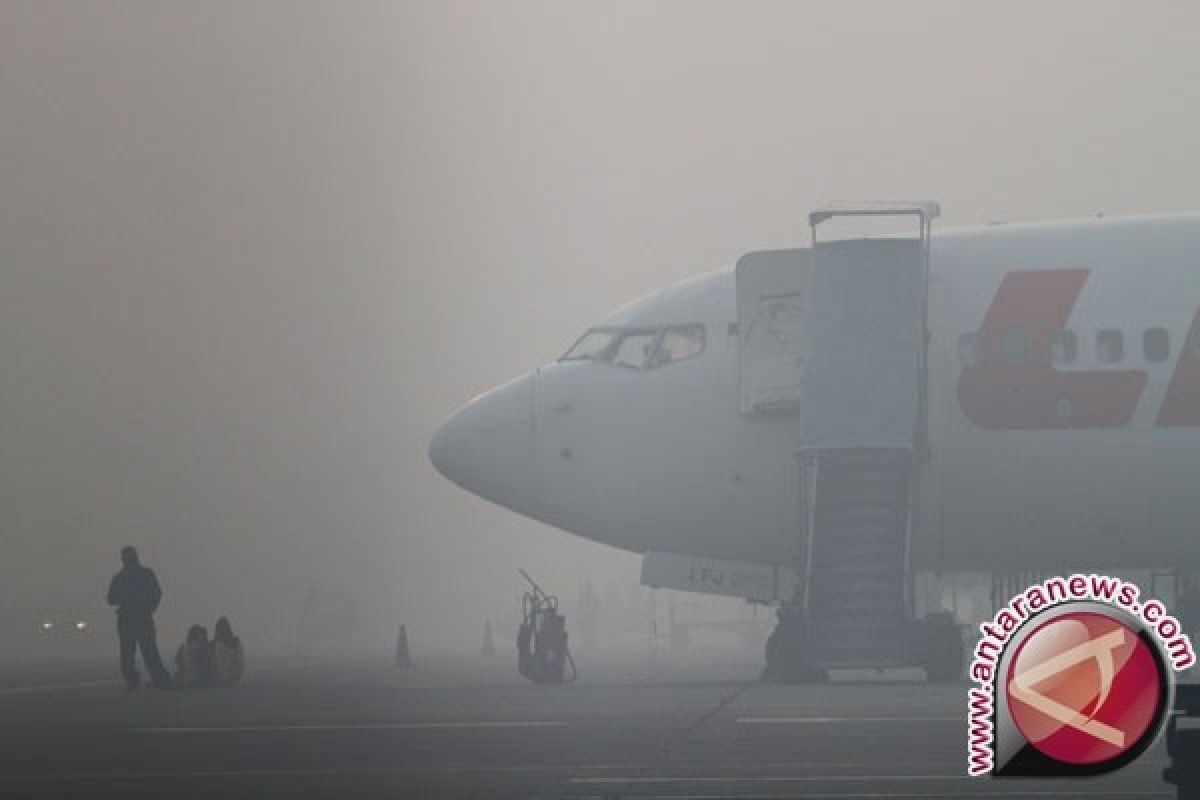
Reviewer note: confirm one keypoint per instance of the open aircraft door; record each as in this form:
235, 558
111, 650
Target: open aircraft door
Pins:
770, 306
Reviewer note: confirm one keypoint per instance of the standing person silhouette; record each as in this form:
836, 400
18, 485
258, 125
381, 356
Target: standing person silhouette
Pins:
136, 594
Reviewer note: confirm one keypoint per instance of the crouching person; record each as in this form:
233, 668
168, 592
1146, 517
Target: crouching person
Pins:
228, 659
194, 660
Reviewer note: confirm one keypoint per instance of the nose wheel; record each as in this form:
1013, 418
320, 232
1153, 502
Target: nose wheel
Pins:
788, 652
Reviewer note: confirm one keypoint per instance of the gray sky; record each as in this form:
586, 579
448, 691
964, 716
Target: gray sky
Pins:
252, 253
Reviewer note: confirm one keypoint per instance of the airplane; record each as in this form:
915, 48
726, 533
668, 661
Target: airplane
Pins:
1029, 392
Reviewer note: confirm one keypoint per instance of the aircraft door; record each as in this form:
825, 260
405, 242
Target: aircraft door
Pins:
771, 345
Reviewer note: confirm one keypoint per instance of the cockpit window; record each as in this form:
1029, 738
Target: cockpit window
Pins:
639, 348
634, 349
595, 345
679, 344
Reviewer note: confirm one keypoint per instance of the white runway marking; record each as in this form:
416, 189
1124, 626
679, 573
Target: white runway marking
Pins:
775, 779
998, 795
381, 726
837, 720
55, 687
986, 790
299, 772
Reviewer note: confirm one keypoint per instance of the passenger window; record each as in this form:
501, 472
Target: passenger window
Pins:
634, 349
968, 349
679, 344
1110, 346
1018, 347
1064, 346
1156, 345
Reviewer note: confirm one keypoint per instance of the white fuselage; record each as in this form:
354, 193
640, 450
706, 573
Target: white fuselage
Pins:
1047, 450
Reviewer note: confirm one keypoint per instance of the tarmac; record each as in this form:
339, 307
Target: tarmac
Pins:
654, 724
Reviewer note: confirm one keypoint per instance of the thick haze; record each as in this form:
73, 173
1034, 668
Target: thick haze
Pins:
252, 254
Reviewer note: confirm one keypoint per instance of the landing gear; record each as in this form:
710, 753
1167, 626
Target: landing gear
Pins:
942, 648
787, 650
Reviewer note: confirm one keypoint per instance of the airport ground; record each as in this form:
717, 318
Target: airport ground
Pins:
645, 722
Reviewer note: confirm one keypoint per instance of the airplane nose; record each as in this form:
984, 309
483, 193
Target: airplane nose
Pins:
487, 446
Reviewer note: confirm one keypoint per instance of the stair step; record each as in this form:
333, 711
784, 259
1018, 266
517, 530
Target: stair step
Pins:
854, 547
852, 474
838, 569
838, 487
867, 455
840, 527
855, 575
860, 609
863, 532
868, 506
862, 546
878, 513
831, 501
849, 536
882, 600
834, 486
861, 500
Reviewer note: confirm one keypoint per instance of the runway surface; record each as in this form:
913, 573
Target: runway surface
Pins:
462, 727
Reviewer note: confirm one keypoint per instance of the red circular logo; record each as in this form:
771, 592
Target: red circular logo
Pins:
1085, 688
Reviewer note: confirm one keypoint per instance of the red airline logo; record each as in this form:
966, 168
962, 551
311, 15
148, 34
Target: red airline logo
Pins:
999, 392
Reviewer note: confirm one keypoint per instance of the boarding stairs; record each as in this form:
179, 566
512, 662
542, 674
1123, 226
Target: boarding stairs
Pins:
863, 422
859, 525
834, 337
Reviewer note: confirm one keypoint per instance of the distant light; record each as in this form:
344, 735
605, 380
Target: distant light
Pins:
48, 625
81, 625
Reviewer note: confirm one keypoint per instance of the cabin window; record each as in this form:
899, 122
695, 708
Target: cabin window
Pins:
634, 349
1156, 345
968, 349
1018, 347
679, 343
1064, 346
1110, 346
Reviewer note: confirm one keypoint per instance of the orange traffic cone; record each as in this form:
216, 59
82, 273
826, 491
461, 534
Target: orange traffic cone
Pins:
403, 660
489, 645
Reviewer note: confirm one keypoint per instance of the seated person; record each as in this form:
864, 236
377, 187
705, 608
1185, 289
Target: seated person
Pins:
193, 660
228, 659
